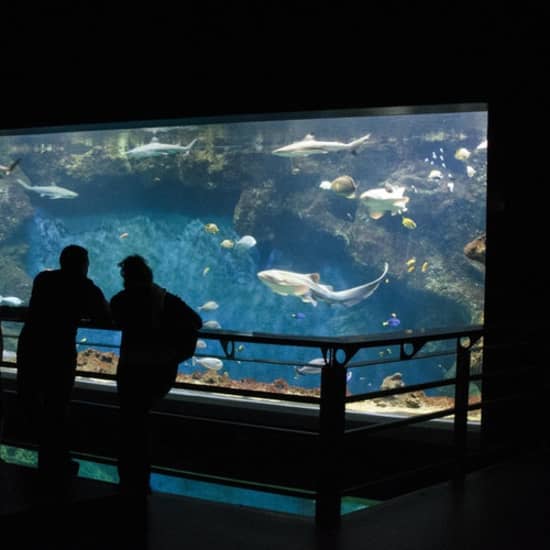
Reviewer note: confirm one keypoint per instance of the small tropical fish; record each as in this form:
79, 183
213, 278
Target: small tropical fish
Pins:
211, 228
462, 154
298, 315
10, 300
7, 170
303, 370
209, 306
227, 243
205, 271
392, 322
201, 344
83, 340
349, 375
435, 175
123, 235
470, 171
246, 242
210, 363
411, 261
212, 324
240, 347
409, 223
344, 186
424, 267
411, 268
313, 367
482, 146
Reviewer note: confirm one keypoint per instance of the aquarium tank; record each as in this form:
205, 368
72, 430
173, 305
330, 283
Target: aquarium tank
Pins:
344, 223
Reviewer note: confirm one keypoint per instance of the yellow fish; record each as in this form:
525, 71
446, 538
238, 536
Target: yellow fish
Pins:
205, 271
227, 243
211, 228
408, 223
411, 268
411, 261
424, 267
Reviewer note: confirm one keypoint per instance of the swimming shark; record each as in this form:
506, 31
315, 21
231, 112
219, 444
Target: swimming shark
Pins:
307, 287
310, 146
157, 149
50, 191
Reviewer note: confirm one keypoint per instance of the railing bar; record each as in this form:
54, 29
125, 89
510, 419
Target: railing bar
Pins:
248, 393
307, 433
429, 355
401, 422
18, 314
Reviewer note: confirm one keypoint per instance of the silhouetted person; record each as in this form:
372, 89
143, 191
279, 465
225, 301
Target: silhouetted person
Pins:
46, 355
146, 369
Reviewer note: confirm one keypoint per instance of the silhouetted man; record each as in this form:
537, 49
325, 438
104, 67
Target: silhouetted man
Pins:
46, 354
151, 320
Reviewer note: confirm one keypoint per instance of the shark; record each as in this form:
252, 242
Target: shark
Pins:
157, 149
51, 191
310, 146
307, 287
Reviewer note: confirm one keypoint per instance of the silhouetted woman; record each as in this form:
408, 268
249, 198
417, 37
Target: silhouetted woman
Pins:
145, 372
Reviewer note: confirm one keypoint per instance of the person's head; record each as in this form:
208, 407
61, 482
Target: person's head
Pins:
74, 260
135, 272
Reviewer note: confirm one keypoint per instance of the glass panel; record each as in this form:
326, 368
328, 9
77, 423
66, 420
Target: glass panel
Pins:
282, 225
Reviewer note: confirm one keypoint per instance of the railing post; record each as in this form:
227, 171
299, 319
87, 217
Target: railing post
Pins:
461, 405
331, 432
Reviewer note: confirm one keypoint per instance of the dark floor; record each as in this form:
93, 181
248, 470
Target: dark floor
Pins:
504, 506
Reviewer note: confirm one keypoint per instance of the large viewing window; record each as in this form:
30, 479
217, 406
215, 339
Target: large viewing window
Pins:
323, 224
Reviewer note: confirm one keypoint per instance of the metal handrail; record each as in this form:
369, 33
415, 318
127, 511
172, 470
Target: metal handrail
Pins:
332, 401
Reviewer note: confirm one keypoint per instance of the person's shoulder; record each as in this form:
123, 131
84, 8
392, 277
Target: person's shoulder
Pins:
118, 297
48, 274
47, 277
